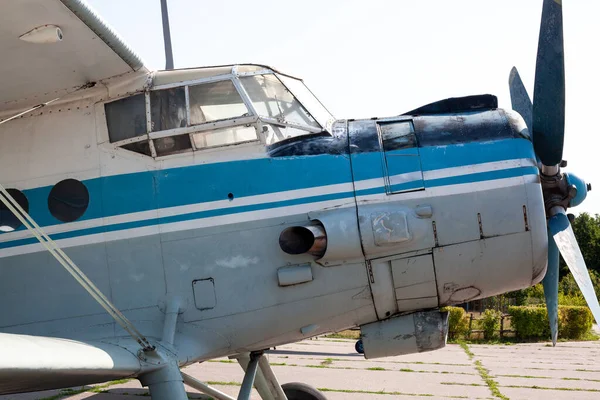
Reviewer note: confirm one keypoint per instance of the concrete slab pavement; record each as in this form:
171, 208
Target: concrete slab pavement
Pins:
517, 372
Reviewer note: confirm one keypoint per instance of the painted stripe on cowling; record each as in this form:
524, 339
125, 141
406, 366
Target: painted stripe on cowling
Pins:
482, 176
112, 195
261, 202
264, 211
370, 196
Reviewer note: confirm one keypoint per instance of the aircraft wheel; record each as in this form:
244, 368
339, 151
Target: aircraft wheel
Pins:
359, 347
301, 391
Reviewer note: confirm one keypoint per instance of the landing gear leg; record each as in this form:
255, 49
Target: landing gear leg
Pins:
269, 388
165, 383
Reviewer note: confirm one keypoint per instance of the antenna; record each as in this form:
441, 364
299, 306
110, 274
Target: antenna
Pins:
166, 34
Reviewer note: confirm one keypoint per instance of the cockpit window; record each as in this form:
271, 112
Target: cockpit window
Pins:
167, 109
238, 104
215, 101
225, 136
308, 100
271, 99
126, 118
275, 133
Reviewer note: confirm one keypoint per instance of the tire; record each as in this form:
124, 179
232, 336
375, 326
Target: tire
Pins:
301, 391
359, 347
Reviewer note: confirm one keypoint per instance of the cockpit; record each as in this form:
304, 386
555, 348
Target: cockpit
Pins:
195, 109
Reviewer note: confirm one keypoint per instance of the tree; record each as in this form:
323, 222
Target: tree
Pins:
587, 232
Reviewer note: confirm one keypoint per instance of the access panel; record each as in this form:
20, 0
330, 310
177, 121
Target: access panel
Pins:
401, 155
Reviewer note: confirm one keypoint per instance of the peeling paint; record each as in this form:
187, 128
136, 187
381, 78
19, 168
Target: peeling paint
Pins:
237, 262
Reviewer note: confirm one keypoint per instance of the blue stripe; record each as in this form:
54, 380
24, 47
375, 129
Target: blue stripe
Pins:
183, 217
482, 176
150, 190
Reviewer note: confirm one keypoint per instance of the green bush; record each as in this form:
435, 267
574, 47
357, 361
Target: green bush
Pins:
490, 323
458, 322
529, 322
574, 322
575, 299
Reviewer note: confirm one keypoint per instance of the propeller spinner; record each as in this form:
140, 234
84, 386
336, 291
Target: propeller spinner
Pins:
545, 119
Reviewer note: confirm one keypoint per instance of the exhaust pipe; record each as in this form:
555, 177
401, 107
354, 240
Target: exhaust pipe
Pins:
311, 239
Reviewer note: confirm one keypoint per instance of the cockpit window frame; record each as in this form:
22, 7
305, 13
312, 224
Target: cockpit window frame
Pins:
252, 118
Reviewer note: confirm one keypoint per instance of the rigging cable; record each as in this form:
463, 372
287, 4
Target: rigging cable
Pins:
70, 266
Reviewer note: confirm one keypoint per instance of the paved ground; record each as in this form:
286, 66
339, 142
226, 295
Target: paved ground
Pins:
517, 372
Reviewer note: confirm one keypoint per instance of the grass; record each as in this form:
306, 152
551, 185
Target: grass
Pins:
484, 373
94, 389
465, 347
376, 369
347, 334
508, 341
492, 384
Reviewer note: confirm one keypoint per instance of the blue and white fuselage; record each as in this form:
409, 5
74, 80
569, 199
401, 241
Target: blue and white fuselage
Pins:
422, 210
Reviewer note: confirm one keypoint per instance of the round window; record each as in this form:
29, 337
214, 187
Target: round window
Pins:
68, 200
8, 221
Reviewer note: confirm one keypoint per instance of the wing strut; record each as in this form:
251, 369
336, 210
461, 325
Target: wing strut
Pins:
70, 266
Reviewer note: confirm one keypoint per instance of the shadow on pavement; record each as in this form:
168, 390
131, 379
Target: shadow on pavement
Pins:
313, 353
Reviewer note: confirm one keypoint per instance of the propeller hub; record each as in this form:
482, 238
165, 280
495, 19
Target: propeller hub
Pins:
581, 189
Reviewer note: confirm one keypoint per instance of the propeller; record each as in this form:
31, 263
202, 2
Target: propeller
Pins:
545, 119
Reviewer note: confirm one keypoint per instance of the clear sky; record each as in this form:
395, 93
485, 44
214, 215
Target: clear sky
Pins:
384, 57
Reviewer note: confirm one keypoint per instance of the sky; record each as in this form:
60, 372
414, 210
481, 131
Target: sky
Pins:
380, 58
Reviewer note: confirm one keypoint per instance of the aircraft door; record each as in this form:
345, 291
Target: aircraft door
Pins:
401, 159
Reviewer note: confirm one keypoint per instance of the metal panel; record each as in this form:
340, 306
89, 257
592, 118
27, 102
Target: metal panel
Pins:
417, 304
483, 268
205, 297
390, 228
382, 288
294, 275
414, 281
406, 334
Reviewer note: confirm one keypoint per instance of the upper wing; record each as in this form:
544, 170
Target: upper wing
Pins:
33, 73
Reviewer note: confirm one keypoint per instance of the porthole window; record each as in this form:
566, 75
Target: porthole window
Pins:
8, 221
68, 200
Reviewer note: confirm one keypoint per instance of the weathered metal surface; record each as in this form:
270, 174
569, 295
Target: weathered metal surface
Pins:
412, 333
414, 283
294, 275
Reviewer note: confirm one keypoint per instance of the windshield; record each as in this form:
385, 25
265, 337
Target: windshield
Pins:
309, 101
275, 103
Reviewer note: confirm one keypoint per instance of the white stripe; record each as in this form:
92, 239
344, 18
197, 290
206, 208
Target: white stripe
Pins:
181, 226
290, 195
187, 209
477, 168
450, 190
445, 172
405, 178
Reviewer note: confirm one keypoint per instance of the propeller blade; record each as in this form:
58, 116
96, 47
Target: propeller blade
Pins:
564, 237
549, 92
521, 102
550, 283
